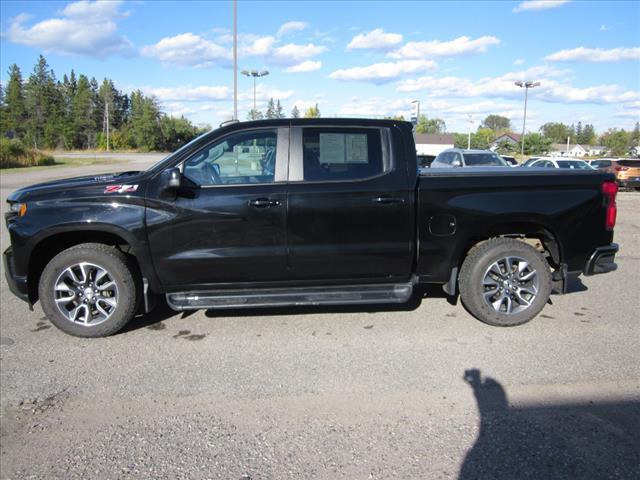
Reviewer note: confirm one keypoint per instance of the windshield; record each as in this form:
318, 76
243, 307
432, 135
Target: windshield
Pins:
483, 160
629, 163
181, 149
574, 164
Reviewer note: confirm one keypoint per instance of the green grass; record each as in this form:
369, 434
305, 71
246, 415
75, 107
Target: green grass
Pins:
65, 162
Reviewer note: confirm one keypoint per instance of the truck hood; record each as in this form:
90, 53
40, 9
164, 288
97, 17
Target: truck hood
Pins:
75, 182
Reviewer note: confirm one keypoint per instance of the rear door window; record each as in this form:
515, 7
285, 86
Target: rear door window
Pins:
333, 154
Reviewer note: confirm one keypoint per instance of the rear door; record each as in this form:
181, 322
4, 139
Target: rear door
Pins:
350, 205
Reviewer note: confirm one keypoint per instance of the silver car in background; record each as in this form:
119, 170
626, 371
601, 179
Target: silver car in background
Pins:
457, 157
567, 163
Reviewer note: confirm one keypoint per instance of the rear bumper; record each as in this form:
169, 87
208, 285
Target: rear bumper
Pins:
602, 260
17, 284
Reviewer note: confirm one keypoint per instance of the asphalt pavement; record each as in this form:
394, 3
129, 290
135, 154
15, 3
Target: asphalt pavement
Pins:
418, 391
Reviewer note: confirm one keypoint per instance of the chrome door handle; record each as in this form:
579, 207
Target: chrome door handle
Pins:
386, 200
264, 202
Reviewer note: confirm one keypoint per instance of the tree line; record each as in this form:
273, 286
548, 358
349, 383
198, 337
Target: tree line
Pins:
76, 112
275, 110
618, 141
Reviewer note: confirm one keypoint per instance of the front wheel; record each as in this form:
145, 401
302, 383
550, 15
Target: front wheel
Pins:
505, 282
88, 290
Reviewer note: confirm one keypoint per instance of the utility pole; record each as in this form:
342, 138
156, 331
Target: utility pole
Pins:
235, 59
526, 85
107, 112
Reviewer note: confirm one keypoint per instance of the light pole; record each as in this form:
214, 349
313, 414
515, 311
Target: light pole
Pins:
469, 133
417, 104
235, 59
255, 74
526, 86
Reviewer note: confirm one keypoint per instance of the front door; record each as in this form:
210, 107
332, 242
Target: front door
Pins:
227, 223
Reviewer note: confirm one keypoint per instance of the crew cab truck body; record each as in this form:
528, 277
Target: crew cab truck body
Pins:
304, 211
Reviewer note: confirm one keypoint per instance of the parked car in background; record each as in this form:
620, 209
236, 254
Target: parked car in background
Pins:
424, 161
510, 160
559, 163
628, 173
529, 161
603, 164
457, 157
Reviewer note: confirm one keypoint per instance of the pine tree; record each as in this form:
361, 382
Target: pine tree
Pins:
579, 137
82, 114
255, 115
634, 138
36, 103
295, 113
279, 110
271, 109
14, 106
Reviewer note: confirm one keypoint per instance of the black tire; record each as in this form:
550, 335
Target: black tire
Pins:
473, 283
109, 259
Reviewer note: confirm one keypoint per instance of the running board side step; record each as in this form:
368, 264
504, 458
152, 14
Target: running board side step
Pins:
278, 297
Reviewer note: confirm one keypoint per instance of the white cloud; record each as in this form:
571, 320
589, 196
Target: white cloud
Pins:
603, 28
307, 66
187, 49
375, 40
264, 93
550, 90
595, 55
382, 72
291, 27
539, 5
191, 50
251, 45
435, 48
190, 93
629, 111
375, 107
518, 61
84, 28
292, 53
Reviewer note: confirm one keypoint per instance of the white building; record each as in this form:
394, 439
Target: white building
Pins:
433, 143
560, 150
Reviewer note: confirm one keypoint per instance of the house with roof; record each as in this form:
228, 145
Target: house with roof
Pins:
510, 138
433, 143
574, 151
597, 150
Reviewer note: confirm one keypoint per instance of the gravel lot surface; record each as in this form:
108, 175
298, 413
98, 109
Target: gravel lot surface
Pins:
422, 391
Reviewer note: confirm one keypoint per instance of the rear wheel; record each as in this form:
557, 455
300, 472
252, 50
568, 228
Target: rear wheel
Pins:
505, 282
88, 290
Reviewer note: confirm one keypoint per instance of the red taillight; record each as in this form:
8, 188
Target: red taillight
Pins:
609, 191
622, 169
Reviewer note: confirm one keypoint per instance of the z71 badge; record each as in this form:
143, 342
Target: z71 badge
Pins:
120, 188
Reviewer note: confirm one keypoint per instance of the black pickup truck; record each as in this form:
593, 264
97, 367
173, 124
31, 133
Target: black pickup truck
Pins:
304, 212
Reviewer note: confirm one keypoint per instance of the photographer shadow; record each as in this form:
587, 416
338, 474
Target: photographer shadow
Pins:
590, 440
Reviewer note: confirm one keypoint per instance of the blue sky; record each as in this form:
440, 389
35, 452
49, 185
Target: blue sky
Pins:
352, 58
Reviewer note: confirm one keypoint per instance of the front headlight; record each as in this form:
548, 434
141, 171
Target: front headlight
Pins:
19, 208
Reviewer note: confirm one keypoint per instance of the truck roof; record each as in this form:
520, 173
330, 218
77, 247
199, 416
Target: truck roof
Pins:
275, 122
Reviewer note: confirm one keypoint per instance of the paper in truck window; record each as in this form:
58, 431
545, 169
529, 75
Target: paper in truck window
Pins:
332, 148
356, 148
343, 148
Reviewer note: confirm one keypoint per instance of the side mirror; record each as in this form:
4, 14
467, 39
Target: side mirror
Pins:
175, 178
456, 163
